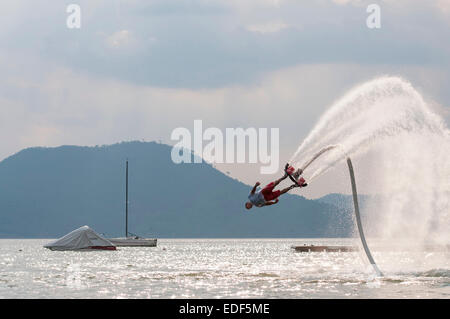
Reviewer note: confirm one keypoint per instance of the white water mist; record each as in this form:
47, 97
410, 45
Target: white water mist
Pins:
388, 119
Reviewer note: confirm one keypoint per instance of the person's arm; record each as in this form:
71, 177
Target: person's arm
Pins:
254, 187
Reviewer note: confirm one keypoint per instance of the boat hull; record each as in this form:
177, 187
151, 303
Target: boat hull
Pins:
133, 242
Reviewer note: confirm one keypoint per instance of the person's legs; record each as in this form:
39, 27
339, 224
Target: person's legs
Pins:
269, 193
267, 190
287, 189
272, 195
279, 180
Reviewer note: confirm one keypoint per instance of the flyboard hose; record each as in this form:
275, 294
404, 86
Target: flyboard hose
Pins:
358, 219
355, 203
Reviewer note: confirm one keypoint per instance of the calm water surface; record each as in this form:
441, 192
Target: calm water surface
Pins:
218, 268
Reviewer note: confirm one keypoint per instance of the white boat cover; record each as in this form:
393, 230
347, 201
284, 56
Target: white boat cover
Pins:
81, 239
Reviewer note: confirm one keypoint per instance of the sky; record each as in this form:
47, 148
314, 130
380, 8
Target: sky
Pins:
136, 70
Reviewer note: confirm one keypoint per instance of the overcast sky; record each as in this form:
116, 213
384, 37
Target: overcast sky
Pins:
136, 70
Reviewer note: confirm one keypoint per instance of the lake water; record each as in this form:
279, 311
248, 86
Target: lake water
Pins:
218, 268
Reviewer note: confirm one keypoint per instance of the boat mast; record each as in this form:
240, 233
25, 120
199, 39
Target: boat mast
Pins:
126, 203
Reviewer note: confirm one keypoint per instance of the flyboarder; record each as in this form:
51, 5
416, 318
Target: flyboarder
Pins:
267, 196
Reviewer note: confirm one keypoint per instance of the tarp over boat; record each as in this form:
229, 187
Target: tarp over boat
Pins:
83, 238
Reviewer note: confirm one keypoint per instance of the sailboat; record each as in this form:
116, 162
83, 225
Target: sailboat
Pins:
130, 239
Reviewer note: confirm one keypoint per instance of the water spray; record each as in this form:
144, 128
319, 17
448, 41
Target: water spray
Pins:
387, 123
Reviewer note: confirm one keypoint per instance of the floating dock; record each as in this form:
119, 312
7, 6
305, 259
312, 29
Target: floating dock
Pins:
333, 249
328, 249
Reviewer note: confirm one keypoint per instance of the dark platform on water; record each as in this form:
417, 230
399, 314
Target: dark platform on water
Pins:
329, 249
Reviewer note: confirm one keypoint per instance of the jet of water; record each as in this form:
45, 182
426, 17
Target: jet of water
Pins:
388, 119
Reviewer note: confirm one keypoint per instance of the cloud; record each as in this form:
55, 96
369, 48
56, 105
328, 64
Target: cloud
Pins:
443, 6
138, 69
119, 39
345, 2
220, 44
271, 27
64, 106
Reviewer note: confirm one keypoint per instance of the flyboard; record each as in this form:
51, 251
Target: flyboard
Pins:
299, 181
355, 203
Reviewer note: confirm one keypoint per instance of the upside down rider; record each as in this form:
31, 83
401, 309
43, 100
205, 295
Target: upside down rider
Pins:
267, 196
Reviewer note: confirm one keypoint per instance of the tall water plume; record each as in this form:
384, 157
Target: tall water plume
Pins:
387, 122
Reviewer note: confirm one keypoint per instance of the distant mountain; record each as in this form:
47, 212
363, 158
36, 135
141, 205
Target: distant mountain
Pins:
47, 192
